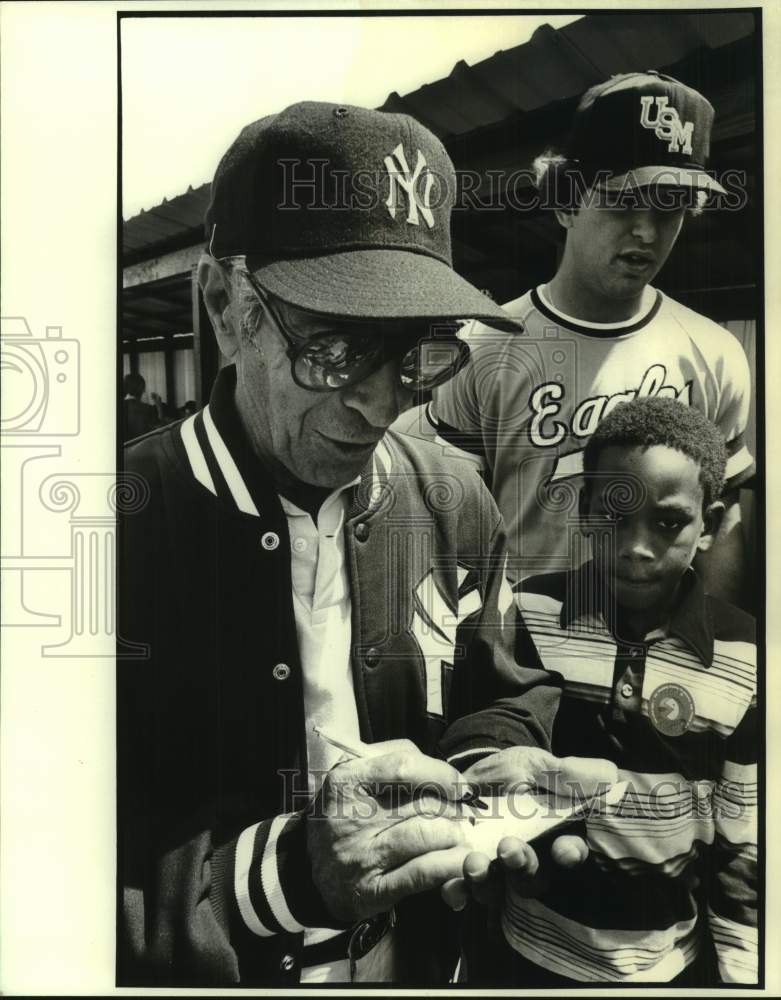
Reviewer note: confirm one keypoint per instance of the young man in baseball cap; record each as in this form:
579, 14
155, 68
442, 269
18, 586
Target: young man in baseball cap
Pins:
317, 605
598, 332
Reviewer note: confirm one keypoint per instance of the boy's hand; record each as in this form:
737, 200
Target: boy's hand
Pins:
515, 769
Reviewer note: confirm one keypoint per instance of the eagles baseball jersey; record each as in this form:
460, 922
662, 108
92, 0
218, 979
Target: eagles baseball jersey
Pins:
527, 403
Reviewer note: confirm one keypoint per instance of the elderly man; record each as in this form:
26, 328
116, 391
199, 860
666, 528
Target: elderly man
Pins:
300, 583
598, 332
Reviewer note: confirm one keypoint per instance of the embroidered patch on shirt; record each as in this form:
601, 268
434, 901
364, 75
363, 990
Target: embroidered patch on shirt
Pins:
671, 709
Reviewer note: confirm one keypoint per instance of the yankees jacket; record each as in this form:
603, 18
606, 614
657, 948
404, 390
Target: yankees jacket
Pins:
216, 886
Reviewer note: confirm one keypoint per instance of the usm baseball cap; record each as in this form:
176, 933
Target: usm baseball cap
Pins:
344, 211
644, 128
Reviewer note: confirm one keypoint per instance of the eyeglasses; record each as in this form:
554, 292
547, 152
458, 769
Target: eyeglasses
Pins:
333, 359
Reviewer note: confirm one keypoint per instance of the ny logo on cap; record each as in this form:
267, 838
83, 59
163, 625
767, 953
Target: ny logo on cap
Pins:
668, 125
399, 174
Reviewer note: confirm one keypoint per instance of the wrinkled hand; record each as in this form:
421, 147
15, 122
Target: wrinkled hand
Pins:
383, 828
517, 864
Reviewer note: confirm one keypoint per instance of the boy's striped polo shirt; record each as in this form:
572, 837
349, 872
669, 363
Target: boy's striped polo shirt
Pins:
672, 868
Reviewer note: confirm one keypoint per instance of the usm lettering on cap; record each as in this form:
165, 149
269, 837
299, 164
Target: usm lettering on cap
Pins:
644, 128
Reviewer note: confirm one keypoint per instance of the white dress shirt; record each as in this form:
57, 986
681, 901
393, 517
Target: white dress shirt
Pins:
321, 601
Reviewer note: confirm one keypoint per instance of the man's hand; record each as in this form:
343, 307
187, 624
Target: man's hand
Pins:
383, 828
484, 879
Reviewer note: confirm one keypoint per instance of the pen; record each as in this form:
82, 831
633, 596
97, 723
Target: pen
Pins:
469, 797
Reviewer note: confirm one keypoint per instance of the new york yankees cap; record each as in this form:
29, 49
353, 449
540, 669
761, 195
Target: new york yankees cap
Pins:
344, 211
643, 128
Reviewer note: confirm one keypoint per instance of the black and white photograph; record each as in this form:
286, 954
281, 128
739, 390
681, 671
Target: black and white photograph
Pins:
387, 551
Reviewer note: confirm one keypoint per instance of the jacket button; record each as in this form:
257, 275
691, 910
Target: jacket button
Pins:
288, 963
270, 541
362, 531
372, 657
627, 690
281, 672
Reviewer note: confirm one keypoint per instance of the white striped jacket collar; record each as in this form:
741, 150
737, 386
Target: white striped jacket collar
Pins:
215, 447
215, 456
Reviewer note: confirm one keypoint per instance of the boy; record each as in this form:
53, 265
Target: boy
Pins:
659, 678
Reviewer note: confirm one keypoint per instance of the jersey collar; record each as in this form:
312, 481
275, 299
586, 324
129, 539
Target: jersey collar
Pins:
599, 331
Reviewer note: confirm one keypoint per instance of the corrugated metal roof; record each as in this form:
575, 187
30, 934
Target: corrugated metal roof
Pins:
157, 307
168, 226
528, 89
558, 64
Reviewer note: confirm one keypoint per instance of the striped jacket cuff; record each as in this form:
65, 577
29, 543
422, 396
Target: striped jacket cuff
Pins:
273, 890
